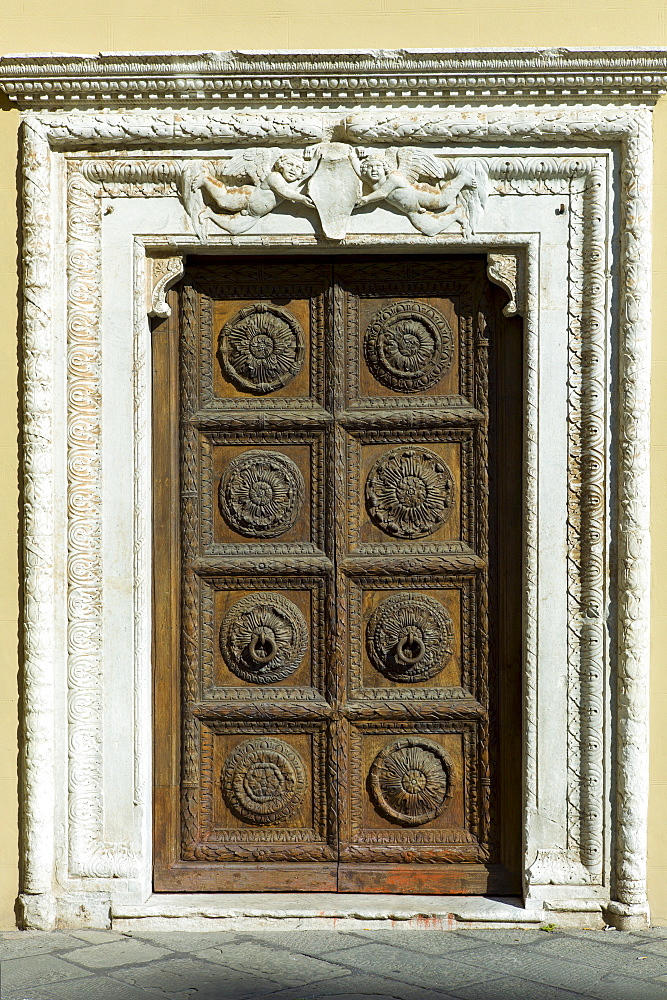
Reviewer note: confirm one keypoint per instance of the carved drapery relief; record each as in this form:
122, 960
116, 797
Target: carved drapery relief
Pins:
162, 176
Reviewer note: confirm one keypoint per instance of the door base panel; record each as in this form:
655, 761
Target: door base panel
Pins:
427, 880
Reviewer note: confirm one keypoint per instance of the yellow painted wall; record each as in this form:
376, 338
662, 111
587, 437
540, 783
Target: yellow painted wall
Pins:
122, 25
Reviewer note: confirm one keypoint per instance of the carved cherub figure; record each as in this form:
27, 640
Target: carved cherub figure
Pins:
394, 176
275, 177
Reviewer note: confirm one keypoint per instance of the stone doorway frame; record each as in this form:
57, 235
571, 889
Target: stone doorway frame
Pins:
98, 132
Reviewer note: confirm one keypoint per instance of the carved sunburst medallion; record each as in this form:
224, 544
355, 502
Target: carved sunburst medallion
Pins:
264, 780
410, 780
263, 638
410, 637
261, 493
261, 348
408, 346
409, 492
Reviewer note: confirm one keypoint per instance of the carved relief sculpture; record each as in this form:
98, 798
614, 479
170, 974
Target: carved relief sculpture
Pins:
409, 492
408, 346
263, 638
410, 637
261, 493
410, 780
275, 177
261, 348
394, 178
264, 781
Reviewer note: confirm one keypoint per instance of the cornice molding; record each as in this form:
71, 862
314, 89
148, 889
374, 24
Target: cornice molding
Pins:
214, 79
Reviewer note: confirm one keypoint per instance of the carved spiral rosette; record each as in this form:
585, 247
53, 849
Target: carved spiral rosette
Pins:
261, 348
263, 638
409, 492
264, 781
409, 346
410, 780
410, 637
261, 493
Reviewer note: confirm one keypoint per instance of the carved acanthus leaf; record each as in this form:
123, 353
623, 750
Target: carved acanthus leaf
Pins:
163, 273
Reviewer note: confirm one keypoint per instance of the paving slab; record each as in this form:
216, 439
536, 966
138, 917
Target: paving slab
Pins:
114, 954
275, 963
406, 966
37, 970
183, 977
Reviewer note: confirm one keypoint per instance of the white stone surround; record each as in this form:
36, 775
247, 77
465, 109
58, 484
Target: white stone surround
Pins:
563, 140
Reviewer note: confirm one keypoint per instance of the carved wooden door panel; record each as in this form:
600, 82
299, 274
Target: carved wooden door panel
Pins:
327, 705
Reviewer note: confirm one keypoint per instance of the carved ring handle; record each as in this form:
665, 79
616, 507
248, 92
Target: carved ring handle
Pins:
262, 647
410, 648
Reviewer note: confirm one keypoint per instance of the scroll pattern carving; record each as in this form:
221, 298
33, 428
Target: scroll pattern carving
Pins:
89, 855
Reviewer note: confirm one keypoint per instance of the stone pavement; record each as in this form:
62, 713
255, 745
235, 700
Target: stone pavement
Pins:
335, 965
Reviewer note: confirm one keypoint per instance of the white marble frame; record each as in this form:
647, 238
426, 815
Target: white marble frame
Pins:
71, 874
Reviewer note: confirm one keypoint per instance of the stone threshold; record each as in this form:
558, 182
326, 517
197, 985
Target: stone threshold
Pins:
331, 911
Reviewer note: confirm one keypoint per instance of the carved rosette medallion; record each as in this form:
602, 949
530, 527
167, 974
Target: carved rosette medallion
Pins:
261, 493
409, 492
264, 781
261, 348
410, 637
409, 346
263, 638
410, 780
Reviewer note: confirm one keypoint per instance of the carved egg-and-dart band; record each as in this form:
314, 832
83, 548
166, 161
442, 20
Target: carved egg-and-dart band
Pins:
410, 637
410, 780
409, 492
408, 346
263, 638
264, 780
261, 348
261, 493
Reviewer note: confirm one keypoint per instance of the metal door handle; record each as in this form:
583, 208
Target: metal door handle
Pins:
262, 647
410, 648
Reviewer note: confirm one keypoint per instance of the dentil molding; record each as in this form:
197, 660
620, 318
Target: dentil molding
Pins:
370, 151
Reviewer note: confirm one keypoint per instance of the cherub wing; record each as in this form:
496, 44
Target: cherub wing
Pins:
250, 164
416, 163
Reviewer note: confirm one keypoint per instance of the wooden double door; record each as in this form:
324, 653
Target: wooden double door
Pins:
336, 578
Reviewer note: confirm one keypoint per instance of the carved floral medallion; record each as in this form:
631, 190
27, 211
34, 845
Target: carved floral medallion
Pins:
261, 348
263, 638
408, 346
261, 493
409, 492
264, 781
410, 780
410, 637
